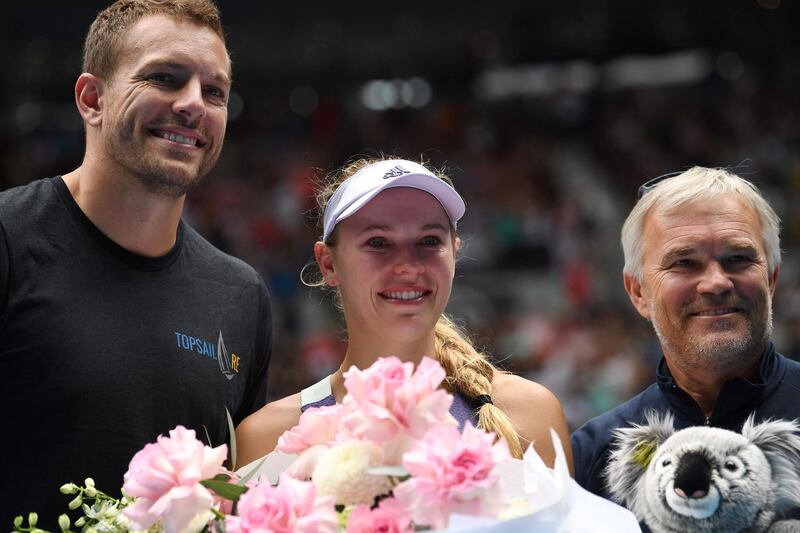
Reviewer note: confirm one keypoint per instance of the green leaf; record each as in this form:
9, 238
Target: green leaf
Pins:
17, 521
232, 432
225, 489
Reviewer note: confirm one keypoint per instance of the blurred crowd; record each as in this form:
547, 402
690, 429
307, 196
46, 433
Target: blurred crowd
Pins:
548, 178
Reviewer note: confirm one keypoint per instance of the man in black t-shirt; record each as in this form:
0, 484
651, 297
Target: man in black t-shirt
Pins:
117, 320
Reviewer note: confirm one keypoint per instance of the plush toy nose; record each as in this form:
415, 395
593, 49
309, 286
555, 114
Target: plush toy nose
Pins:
693, 476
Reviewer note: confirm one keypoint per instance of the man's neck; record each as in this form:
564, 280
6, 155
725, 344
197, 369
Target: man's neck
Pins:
705, 384
129, 215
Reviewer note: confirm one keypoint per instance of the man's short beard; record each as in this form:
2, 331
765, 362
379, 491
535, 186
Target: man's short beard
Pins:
146, 166
155, 179
727, 354
156, 183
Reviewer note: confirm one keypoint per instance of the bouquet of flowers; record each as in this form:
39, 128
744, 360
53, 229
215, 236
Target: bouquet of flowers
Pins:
389, 458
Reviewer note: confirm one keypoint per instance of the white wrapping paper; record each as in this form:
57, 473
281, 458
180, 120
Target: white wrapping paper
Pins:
556, 503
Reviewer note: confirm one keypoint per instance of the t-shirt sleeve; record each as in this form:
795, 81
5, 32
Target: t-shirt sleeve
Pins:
5, 268
256, 394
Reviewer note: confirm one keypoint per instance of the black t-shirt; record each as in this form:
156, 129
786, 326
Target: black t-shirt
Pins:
102, 350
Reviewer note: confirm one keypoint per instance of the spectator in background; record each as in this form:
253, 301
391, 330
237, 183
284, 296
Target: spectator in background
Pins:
388, 249
117, 320
702, 258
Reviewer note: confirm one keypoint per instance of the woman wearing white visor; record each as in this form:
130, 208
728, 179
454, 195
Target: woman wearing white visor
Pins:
388, 249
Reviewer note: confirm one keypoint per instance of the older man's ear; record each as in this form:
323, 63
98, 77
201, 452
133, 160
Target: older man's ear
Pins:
634, 290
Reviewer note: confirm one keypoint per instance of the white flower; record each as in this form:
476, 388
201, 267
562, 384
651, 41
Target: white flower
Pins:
107, 515
342, 473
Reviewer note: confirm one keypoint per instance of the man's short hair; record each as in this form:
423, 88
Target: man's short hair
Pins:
697, 184
101, 48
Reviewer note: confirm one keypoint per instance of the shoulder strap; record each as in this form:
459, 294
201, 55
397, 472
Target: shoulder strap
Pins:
316, 392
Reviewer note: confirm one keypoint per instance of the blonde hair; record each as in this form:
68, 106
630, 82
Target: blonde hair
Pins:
468, 371
697, 184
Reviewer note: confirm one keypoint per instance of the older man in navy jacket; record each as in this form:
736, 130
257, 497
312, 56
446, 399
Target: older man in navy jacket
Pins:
702, 257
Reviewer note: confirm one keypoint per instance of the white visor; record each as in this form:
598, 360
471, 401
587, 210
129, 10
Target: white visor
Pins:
364, 185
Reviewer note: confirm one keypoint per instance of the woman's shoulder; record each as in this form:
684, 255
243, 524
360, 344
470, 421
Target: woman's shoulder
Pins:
533, 410
519, 392
286, 408
258, 434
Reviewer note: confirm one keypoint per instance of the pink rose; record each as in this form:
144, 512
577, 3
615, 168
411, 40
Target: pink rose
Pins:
165, 476
292, 506
316, 426
391, 404
389, 517
451, 472
302, 467
313, 434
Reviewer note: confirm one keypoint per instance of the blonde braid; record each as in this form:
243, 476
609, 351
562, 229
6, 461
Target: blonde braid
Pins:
470, 373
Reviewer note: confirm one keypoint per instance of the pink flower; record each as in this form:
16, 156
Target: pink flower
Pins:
313, 434
451, 472
391, 404
389, 517
292, 506
302, 467
165, 478
316, 426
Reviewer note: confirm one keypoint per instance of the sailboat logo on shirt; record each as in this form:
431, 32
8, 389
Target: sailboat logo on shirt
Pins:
228, 364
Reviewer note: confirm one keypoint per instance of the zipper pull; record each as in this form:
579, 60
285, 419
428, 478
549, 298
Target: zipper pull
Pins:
707, 421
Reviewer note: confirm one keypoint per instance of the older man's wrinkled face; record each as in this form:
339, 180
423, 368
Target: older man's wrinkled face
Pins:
706, 285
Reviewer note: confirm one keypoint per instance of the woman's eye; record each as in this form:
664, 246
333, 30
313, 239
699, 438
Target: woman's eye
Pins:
431, 241
376, 242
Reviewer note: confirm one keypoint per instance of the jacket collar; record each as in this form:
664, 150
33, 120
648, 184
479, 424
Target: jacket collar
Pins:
737, 398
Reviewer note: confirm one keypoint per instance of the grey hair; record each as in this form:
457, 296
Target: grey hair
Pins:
697, 183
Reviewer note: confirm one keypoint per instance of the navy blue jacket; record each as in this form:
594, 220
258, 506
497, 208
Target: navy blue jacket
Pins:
774, 392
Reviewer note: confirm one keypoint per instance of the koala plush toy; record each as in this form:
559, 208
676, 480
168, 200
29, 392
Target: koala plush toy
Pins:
703, 479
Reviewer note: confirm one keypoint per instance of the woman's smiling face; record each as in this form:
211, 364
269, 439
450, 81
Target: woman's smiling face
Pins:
393, 262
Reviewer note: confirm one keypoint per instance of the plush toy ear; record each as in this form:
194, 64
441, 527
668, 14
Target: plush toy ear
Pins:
780, 442
632, 450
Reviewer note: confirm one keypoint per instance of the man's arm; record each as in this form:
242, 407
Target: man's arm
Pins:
583, 454
5, 276
256, 395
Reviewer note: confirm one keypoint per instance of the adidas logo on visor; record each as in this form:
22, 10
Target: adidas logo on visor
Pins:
395, 172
